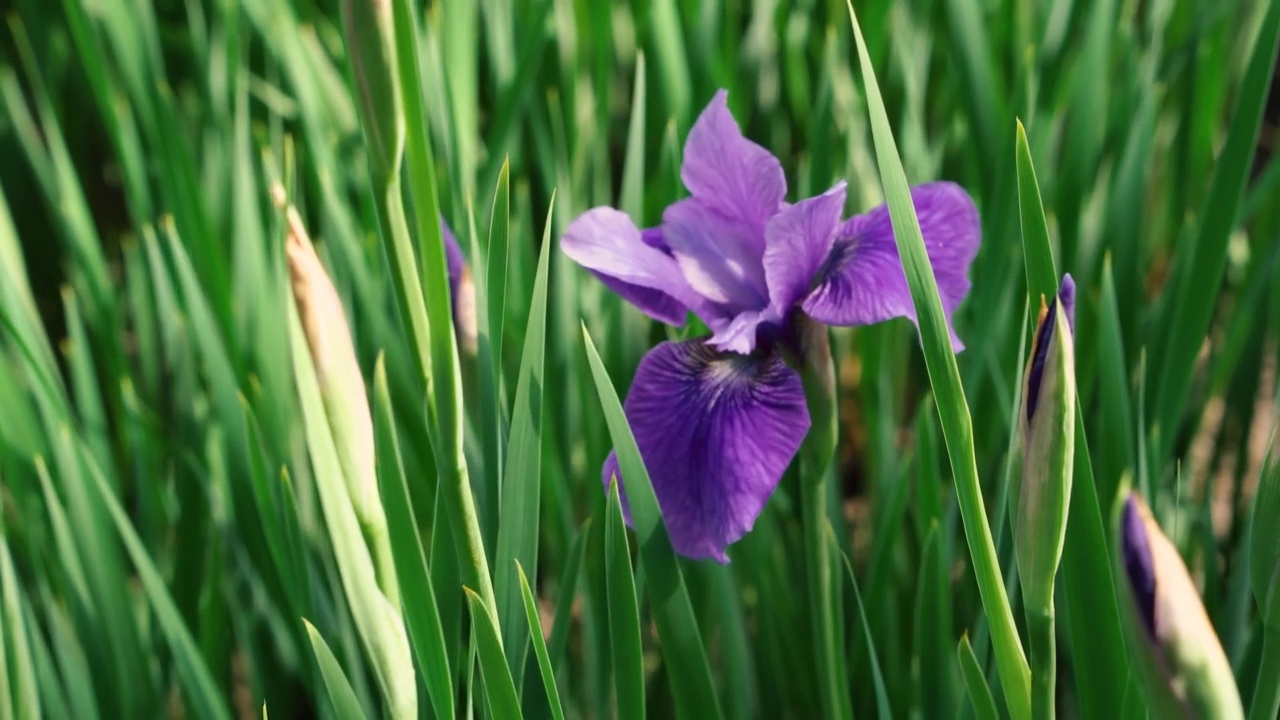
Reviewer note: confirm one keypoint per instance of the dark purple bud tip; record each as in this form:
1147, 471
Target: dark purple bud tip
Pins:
1137, 562
1044, 337
1067, 296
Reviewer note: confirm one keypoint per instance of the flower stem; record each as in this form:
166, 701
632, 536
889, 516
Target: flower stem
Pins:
819, 565
1266, 695
1044, 661
818, 375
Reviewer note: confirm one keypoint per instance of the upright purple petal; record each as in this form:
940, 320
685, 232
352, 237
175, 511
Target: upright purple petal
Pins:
606, 242
735, 176
862, 281
798, 240
716, 431
720, 256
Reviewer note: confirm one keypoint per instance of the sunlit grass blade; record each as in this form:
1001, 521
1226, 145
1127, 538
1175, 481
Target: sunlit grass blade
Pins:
498, 687
682, 649
344, 700
624, 613
1188, 315
420, 611
984, 704
23, 693
944, 375
1042, 279
540, 646
521, 486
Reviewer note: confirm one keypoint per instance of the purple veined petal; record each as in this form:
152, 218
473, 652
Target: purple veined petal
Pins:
606, 242
716, 431
798, 241
863, 282
720, 257
722, 168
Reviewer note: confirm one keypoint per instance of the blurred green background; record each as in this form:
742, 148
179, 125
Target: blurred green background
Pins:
145, 353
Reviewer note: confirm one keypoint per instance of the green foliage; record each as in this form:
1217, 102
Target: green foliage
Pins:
172, 504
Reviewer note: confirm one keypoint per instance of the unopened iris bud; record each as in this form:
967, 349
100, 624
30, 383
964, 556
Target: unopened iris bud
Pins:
1178, 658
371, 47
324, 322
1048, 436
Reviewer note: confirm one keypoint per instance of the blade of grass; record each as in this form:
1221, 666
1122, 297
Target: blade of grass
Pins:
344, 700
518, 527
984, 704
498, 687
540, 646
1199, 275
421, 614
682, 649
944, 375
444, 381
206, 701
624, 613
568, 591
882, 697
24, 694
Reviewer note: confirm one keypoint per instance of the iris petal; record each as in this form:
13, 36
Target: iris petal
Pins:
607, 242
720, 256
733, 175
863, 282
798, 240
716, 431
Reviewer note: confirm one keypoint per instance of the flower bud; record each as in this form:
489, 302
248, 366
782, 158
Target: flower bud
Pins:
462, 292
324, 322
1048, 435
371, 47
1178, 657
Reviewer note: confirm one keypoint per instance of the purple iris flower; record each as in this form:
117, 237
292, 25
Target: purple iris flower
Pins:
718, 419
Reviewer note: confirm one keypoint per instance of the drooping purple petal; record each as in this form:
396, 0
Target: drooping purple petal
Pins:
1138, 565
606, 242
720, 256
722, 168
797, 241
862, 281
716, 431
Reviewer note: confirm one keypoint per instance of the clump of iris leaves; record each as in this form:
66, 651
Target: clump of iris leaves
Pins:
168, 547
